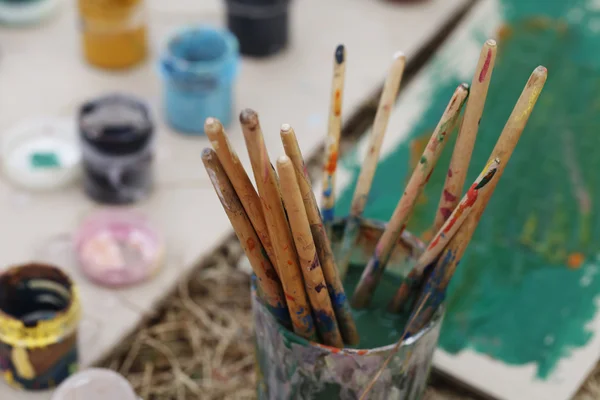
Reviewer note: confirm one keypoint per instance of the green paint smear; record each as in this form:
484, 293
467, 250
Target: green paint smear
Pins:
513, 296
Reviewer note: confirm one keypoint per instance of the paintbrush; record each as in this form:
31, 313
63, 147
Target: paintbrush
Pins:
335, 288
374, 269
367, 172
240, 181
334, 130
314, 280
443, 236
269, 286
465, 141
435, 288
279, 230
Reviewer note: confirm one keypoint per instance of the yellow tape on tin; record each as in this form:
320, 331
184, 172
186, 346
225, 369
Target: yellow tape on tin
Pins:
45, 332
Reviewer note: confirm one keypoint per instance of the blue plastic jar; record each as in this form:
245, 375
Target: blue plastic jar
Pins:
199, 67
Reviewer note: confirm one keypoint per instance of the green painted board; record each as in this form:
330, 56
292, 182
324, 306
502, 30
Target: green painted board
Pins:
522, 320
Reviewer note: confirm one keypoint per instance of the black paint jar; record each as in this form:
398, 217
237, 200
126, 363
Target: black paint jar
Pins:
261, 26
117, 138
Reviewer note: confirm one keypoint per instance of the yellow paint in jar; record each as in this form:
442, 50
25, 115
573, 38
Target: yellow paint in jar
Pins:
114, 32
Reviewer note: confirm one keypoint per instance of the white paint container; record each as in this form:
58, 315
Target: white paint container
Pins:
42, 154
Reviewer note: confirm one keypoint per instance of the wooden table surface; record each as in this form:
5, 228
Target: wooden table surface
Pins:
42, 73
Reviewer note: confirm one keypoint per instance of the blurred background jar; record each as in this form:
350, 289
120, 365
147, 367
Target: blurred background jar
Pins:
113, 32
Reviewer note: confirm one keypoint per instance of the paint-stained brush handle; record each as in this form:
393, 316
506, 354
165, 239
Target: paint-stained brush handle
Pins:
367, 172
335, 288
240, 181
467, 133
314, 280
269, 286
334, 130
288, 266
374, 269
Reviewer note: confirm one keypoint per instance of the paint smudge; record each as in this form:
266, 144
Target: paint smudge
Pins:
339, 54
337, 105
486, 66
320, 287
449, 197
325, 321
314, 263
575, 260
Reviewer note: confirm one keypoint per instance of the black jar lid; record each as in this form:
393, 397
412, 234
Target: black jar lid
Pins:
115, 124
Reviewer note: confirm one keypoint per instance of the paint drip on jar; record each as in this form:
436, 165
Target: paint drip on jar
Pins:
117, 140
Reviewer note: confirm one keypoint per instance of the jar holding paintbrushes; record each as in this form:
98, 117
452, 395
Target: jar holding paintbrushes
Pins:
291, 367
309, 341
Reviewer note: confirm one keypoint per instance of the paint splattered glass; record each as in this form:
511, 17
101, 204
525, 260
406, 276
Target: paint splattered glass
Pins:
290, 367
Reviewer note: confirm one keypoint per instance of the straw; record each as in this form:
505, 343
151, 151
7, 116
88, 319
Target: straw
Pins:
435, 288
334, 284
443, 236
374, 269
334, 130
269, 285
465, 141
367, 172
279, 231
240, 181
314, 280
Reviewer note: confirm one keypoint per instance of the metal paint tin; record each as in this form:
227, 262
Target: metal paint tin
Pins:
39, 316
117, 140
290, 367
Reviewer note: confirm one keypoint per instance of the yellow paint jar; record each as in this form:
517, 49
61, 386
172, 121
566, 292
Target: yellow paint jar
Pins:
114, 32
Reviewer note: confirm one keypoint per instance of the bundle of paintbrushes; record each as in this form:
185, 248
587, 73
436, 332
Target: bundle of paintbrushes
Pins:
284, 234
281, 231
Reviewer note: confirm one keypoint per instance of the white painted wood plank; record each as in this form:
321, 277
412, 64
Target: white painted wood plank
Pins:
42, 73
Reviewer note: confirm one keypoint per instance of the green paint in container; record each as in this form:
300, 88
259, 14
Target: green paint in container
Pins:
290, 367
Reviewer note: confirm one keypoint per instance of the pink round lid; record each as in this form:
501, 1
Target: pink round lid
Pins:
118, 248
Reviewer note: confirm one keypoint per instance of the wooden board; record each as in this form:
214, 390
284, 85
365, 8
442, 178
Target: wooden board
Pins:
42, 73
522, 321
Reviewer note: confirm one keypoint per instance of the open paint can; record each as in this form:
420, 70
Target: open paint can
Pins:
118, 248
199, 66
117, 141
26, 12
39, 316
95, 384
113, 32
261, 26
42, 153
290, 367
